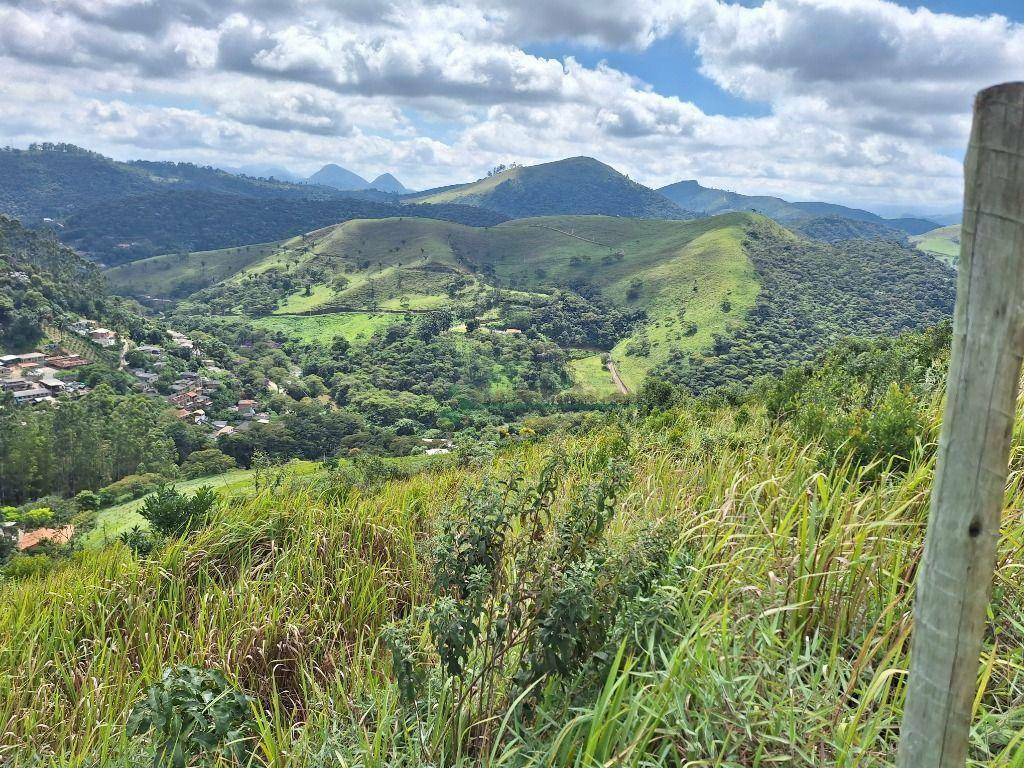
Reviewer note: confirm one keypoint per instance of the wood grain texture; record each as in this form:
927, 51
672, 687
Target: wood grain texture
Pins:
955, 577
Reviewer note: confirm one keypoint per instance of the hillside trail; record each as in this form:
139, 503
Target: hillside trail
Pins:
616, 378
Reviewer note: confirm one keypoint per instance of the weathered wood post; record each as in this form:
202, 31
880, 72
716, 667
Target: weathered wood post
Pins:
955, 577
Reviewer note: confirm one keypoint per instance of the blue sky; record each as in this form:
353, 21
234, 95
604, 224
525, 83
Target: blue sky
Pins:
863, 102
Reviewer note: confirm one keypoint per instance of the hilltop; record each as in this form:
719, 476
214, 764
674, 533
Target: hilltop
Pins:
332, 175
577, 185
709, 201
176, 222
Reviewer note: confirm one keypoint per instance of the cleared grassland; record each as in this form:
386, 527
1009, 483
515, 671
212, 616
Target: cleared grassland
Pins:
591, 379
943, 243
354, 326
177, 275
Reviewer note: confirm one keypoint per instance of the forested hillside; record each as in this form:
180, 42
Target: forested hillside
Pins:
822, 221
54, 180
174, 222
41, 280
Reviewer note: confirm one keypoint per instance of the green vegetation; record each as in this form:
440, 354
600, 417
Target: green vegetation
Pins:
42, 281
355, 327
179, 274
691, 583
942, 243
179, 221
577, 185
812, 295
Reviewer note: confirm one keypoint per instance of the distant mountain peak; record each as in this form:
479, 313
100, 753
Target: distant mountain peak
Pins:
333, 175
388, 183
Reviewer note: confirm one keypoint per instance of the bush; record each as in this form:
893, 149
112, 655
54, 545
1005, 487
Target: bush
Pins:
87, 501
194, 713
132, 486
210, 461
172, 513
23, 566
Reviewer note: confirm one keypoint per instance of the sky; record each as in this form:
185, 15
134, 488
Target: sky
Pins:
862, 102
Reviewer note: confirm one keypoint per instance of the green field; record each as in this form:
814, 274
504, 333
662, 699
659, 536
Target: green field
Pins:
354, 326
299, 302
591, 378
177, 275
111, 522
943, 243
691, 278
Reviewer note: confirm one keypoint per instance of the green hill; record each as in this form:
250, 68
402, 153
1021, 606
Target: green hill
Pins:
709, 201
943, 243
577, 185
54, 180
669, 296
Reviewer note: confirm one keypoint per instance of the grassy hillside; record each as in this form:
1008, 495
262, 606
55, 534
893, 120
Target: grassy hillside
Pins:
655, 294
577, 185
942, 243
709, 586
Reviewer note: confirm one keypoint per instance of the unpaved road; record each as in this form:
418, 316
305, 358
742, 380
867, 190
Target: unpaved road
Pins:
616, 378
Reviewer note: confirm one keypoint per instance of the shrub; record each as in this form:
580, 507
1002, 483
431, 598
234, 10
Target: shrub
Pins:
23, 566
132, 486
209, 461
194, 713
87, 501
172, 513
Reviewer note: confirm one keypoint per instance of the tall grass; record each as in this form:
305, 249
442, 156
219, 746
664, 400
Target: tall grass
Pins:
781, 638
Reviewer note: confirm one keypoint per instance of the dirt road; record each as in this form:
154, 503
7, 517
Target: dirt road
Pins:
616, 378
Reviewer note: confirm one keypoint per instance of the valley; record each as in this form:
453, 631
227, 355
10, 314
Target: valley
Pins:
386, 365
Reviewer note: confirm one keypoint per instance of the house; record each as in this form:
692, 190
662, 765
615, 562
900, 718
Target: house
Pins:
145, 376
151, 349
53, 384
29, 539
247, 408
14, 384
6, 361
34, 395
103, 336
65, 362
224, 431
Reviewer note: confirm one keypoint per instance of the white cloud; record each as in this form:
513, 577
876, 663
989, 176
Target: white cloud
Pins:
868, 101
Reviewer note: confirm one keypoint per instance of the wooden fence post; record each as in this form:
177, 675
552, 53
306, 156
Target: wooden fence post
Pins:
955, 576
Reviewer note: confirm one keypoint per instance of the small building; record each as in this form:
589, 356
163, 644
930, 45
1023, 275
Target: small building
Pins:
53, 384
247, 407
65, 362
103, 336
33, 395
32, 357
14, 384
29, 539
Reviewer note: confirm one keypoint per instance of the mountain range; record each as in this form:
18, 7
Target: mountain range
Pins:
120, 211
708, 201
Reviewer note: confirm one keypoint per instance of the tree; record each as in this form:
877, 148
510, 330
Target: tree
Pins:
209, 461
173, 513
87, 501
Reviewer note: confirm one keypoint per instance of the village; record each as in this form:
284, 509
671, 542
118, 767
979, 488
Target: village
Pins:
40, 376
